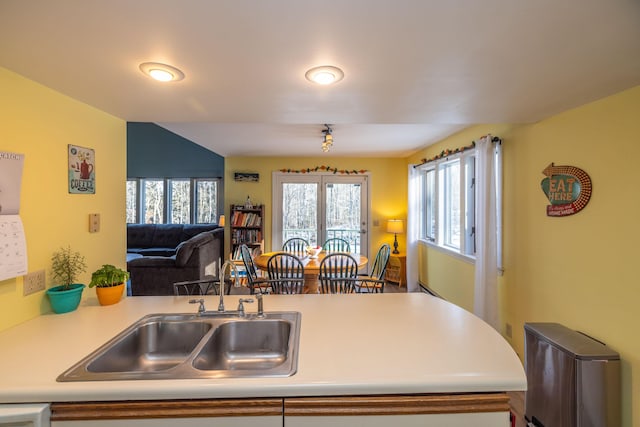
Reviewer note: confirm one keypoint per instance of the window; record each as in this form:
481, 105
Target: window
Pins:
173, 201
206, 201
180, 197
132, 201
448, 205
153, 201
319, 206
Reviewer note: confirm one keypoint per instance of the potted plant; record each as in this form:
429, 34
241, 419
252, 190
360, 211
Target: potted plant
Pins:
109, 282
66, 265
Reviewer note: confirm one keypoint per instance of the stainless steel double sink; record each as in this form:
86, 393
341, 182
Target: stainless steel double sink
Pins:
210, 345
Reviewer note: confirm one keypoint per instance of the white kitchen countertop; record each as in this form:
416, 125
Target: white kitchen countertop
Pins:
349, 345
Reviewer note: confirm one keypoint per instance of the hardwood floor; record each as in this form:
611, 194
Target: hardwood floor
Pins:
392, 288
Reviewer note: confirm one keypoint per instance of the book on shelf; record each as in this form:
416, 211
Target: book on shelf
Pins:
248, 237
246, 219
255, 251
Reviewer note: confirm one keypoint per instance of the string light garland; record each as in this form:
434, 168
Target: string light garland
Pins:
446, 153
327, 169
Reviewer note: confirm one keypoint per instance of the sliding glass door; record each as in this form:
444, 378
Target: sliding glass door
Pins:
317, 207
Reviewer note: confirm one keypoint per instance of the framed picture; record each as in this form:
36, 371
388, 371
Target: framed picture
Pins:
246, 177
82, 174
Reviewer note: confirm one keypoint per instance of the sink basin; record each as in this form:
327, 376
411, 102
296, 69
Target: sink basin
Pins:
176, 346
152, 346
252, 345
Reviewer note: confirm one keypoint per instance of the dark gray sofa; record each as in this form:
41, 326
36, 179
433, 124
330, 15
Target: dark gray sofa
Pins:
169, 253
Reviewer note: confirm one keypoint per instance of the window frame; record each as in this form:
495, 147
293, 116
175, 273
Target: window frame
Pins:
466, 198
167, 189
468, 205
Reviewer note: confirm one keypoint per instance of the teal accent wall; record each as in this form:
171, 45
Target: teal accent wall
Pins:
155, 152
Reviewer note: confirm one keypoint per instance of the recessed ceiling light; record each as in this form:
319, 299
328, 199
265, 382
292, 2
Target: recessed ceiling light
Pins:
324, 75
161, 72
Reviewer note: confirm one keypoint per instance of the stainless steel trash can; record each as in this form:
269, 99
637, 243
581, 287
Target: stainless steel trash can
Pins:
573, 379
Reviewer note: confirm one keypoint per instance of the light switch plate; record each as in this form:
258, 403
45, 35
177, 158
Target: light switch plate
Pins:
94, 223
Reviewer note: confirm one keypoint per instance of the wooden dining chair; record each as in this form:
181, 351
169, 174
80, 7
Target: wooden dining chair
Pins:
336, 244
336, 270
207, 286
253, 280
374, 281
296, 245
286, 273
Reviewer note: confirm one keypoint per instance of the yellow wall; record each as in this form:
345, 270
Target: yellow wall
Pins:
579, 270
388, 188
39, 122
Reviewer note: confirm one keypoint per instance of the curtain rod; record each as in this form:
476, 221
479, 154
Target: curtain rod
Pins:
447, 153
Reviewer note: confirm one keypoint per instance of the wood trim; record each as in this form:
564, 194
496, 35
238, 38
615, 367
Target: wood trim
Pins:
396, 404
166, 409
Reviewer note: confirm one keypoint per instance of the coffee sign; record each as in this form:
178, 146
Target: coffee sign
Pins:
568, 189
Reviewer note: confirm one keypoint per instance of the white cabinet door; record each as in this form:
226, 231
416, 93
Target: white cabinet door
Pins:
266, 421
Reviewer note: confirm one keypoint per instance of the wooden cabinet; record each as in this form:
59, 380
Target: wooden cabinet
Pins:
247, 227
265, 412
478, 410
429, 410
397, 269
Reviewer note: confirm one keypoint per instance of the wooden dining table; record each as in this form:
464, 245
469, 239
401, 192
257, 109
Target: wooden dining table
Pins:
311, 267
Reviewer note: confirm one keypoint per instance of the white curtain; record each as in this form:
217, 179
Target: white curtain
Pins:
413, 228
486, 267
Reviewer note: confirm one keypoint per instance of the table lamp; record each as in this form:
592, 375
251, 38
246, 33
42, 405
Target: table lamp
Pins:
221, 221
395, 226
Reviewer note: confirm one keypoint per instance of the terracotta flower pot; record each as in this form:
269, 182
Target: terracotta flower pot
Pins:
110, 295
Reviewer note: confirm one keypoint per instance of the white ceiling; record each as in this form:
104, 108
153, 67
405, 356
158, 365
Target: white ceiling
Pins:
416, 71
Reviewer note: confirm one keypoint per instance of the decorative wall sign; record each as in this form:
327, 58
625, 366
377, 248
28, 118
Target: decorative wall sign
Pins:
246, 177
81, 170
568, 188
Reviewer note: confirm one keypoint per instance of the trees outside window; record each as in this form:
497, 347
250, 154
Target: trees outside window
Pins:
173, 201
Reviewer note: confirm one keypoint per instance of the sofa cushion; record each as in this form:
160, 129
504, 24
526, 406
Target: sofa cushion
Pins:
152, 262
167, 236
190, 230
186, 248
153, 251
163, 237
140, 235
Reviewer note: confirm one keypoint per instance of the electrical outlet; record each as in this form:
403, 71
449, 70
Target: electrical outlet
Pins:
33, 282
508, 332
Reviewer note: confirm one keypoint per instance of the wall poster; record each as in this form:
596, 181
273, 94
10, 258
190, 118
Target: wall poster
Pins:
568, 189
82, 176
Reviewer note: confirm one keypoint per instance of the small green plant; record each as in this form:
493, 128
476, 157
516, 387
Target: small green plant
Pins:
67, 265
107, 276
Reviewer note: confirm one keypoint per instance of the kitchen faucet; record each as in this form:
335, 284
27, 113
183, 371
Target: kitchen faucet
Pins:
223, 268
260, 304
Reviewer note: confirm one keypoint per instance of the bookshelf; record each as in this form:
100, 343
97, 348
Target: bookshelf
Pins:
247, 226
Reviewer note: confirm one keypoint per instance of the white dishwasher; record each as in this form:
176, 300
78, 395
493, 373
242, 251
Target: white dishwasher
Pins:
25, 415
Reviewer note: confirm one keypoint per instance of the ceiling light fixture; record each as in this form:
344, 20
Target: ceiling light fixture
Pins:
324, 75
327, 141
161, 72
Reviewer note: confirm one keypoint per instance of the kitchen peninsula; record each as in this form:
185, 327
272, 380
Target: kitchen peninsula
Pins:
375, 355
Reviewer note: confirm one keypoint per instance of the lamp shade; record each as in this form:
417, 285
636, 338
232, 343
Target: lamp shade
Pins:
395, 226
221, 221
